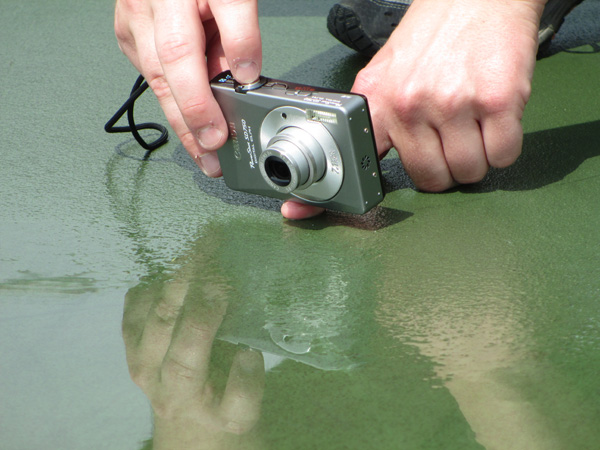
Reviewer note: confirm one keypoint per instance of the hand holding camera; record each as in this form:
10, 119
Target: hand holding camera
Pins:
461, 82
178, 46
311, 145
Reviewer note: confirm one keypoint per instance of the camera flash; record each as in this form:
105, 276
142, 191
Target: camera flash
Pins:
322, 116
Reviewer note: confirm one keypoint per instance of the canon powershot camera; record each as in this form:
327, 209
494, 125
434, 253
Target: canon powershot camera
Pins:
296, 142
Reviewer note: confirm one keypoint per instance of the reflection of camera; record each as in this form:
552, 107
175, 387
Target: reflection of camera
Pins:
310, 144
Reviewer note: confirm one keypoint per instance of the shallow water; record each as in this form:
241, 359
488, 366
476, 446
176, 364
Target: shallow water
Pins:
468, 319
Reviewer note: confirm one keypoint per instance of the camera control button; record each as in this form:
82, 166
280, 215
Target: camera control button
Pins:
243, 88
299, 93
277, 85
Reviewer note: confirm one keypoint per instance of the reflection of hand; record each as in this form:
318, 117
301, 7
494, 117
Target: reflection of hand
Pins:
168, 338
178, 46
449, 88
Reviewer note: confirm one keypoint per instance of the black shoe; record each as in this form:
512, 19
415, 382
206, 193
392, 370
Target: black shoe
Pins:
552, 19
365, 25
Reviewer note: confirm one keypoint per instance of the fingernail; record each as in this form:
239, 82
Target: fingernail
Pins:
209, 137
246, 72
209, 163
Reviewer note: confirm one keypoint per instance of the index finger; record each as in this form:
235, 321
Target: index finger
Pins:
181, 48
240, 36
240, 406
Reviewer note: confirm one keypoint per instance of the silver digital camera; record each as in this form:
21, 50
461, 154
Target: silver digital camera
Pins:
299, 142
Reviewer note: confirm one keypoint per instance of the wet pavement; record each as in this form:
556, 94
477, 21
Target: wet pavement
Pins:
468, 319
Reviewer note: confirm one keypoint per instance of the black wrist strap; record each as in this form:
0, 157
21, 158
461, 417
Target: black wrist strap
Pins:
138, 88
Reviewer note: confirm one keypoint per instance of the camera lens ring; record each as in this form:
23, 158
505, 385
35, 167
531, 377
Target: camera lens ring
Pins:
273, 130
295, 174
305, 150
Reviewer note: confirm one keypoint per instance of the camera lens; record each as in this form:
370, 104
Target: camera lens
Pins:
293, 160
299, 155
278, 171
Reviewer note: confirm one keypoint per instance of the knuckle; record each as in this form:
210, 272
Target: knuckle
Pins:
467, 167
124, 11
525, 92
159, 85
505, 158
201, 332
404, 102
140, 375
175, 48
176, 369
408, 107
500, 99
429, 178
364, 82
495, 103
408, 110
433, 184
167, 312
410, 102
164, 408
471, 176
451, 103
195, 108
130, 5
125, 7
122, 32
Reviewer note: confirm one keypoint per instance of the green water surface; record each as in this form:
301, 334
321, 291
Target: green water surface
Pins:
468, 319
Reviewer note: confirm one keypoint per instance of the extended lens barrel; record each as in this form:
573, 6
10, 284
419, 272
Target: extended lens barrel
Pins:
293, 160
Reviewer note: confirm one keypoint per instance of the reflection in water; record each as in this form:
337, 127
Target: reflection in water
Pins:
462, 310
69, 284
198, 340
169, 331
366, 342
298, 344
476, 352
287, 297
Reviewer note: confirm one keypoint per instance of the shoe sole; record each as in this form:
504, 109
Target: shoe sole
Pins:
344, 24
